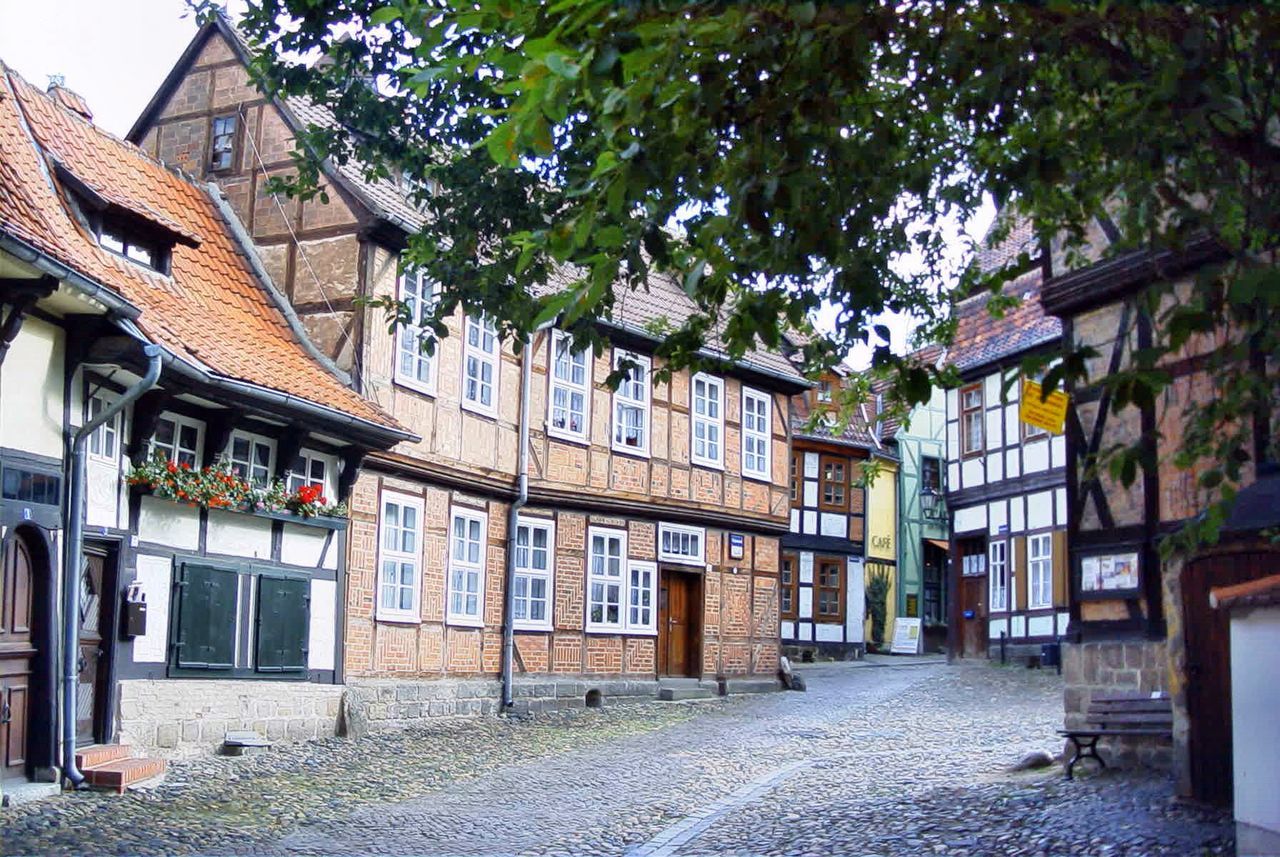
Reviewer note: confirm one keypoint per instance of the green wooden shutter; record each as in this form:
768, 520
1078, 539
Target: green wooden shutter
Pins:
284, 609
207, 607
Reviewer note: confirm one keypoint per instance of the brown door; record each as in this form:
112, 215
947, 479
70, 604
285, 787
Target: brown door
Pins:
17, 653
973, 617
93, 662
1208, 640
679, 624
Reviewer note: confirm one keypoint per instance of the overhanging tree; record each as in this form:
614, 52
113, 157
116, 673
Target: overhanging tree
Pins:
776, 157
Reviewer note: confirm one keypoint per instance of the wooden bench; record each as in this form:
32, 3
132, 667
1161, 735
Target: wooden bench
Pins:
1122, 715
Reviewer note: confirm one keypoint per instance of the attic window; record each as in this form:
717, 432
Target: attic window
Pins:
222, 147
119, 239
824, 391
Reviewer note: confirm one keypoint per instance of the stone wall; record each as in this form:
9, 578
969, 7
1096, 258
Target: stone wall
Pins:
176, 718
387, 704
1116, 666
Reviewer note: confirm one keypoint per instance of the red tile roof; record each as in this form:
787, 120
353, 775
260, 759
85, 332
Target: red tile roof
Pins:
212, 312
981, 338
1263, 592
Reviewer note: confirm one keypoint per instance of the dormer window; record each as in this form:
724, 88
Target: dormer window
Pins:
222, 143
118, 240
824, 392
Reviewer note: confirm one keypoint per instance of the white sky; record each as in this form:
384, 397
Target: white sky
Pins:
115, 53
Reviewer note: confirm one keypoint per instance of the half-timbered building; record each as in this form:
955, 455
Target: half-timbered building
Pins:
1005, 480
1140, 622
617, 537
173, 450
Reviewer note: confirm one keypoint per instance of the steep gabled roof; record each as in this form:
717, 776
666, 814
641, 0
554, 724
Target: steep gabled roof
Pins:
211, 312
982, 339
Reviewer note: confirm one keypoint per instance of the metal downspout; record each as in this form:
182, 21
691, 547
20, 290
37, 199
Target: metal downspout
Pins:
72, 558
513, 515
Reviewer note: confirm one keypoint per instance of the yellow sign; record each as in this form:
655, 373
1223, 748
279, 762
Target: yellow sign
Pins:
1049, 414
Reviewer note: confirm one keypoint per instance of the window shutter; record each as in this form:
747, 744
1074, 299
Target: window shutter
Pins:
1021, 579
1060, 566
284, 608
207, 605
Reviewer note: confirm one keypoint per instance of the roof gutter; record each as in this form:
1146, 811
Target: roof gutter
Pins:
20, 249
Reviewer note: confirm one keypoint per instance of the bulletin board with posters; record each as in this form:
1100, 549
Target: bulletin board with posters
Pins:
1108, 575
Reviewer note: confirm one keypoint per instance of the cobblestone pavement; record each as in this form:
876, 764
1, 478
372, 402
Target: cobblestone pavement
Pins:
872, 760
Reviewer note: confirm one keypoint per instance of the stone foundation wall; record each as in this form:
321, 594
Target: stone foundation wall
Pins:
373, 705
175, 718
1108, 667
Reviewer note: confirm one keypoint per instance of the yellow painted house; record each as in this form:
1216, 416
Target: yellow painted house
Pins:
882, 539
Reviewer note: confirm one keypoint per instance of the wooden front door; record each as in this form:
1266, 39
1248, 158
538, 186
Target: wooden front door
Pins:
93, 663
1208, 641
680, 624
17, 654
973, 617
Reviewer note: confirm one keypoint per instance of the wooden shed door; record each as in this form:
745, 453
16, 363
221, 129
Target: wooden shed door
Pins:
1208, 636
17, 652
973, 617
679, 611
95, 619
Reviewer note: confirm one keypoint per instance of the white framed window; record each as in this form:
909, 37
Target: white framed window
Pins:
312, 468
631, 405
480, 359
415, 368
179, 438
607, 552
535, 562
569, 405
642, 587
252, 457
706, 411
399, 557
468, 544
999, 575
1040, 571
757, 418
104, 443
681, 544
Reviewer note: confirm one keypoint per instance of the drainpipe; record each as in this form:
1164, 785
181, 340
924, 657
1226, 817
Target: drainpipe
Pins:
522, 497
72, 558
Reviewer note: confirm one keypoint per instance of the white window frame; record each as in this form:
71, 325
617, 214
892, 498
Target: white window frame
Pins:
622, 398
561, 339
178, 423
108, 433
634, 619
296, 480
466, 566
420, 302
676, 530
709, 423
493, 359
530, 574
765, 438
605, 580
998, 575
254, 440
401, 557
1040, 571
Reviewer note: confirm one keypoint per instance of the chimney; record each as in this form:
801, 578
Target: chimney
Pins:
68, 99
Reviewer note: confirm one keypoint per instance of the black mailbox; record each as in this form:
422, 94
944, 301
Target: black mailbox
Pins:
135, 612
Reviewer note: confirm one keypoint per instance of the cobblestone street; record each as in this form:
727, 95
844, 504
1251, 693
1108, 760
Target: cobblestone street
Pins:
872, 760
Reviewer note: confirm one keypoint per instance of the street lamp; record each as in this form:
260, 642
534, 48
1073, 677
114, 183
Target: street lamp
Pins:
931, 502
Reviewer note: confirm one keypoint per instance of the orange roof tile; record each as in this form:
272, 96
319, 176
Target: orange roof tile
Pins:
981, 338
212, 311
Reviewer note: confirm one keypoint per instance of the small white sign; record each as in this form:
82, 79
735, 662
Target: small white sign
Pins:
906, 636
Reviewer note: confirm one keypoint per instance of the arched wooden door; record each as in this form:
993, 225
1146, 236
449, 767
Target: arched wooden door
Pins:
17, 656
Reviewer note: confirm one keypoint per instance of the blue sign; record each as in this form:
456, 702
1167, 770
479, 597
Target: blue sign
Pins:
737, 545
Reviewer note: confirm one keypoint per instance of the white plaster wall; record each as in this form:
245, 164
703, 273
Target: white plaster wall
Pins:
828, 633
164, 522
806, 567
1012, 425
1255, 699
102, 494
997, 516
321, 635
806, 605
304, 546
811, 465
1012, 464
1040, 510
1019, 622
31, 387
155, 576
995, 627
991, 390
1060, 507
834, 525
795, 520
953, 476
810, 522
855, 611
995, 437
953, 441
1058, 451
1017, 515
1035, 456
1039, 626
972, 472
971, 518
236, 534
787, 630
995, 467
810, 493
